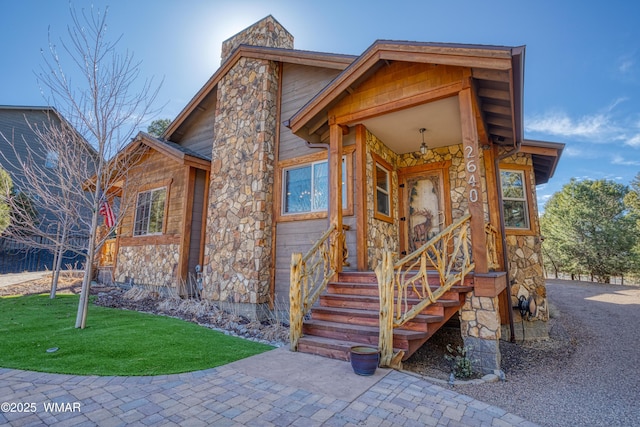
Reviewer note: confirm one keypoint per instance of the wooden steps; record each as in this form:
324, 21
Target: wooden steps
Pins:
347, 315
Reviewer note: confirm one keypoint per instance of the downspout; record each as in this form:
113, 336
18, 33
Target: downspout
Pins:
503, 234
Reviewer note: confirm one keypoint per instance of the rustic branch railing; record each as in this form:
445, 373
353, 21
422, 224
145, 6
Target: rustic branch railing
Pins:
107, 253
309, 277
492, 248
449, 253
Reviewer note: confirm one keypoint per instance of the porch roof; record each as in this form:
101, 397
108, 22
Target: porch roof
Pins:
545, 156
497, 74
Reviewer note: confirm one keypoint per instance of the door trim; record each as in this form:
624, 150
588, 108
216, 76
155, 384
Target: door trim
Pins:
440, 169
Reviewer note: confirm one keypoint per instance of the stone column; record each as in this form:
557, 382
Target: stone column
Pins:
239, 219
480, 328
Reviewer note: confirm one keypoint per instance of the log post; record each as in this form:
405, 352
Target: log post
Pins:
384, 274
295, 301
335, 191
474, 183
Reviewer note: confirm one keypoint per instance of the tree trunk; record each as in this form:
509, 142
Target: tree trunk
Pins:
81, 317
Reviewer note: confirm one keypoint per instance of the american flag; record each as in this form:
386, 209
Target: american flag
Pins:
106, 212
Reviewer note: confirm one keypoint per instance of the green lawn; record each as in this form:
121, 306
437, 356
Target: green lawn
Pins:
115, 342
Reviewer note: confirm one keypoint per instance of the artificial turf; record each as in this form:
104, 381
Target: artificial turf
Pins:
115, 342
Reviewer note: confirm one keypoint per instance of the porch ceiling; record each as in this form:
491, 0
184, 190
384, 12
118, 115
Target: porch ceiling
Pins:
400, 130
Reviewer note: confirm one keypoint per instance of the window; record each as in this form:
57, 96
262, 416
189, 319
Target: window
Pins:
51, 162
150, 212
306, 188
382, 190
514, 199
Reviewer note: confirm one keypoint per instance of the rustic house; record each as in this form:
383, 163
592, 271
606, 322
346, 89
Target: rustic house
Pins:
408, 159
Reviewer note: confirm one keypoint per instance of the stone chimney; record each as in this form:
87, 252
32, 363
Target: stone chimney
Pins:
267, 32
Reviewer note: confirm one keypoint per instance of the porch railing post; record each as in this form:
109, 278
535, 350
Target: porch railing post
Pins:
384, 274
295, 301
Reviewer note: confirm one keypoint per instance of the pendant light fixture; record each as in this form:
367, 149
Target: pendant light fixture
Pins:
423, 146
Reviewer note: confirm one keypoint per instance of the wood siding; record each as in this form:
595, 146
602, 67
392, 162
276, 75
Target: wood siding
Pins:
299, 84
154, 171
198, 132
15, 130
397, 81
197, 221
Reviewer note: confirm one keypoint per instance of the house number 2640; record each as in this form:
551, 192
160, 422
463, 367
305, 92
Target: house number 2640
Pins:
471, 169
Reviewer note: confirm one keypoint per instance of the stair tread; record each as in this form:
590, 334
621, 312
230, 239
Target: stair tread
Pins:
427, 318
408, 334
371, 298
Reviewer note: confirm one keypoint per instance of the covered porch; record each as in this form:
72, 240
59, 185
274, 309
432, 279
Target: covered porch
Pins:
428, 125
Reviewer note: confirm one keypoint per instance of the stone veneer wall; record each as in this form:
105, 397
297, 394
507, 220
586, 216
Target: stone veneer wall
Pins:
239, 219
457, 175
266, 32
380, 232
526, 268
155, 265
480, 328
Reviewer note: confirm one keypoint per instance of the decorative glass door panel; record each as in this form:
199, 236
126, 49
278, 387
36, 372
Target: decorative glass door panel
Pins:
424, 208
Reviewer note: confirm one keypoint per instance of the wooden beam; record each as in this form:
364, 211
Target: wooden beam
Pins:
473, 178
493, 198
498, 121
502, 95
361, 197
335, 180
187, 215
492, 75
496, 109
435, 94
447, 59
505, 132
542, 151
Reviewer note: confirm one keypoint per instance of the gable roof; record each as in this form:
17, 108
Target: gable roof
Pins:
497, 73
47, 110
291, 56
170, 149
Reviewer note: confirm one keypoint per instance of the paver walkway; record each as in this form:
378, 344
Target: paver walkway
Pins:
277, 388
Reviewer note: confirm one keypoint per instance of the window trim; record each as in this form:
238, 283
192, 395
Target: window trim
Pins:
525, 170
379, 161
321, 156
151, 190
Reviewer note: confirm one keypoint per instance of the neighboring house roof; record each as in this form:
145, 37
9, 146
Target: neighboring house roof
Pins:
17, 124
291, 56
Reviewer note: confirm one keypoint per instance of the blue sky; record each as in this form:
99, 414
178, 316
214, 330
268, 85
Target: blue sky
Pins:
582, 63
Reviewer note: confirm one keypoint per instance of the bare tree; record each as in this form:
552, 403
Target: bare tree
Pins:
107, 105
53, 167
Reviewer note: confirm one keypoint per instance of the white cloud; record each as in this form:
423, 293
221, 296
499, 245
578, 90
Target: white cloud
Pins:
634, 140
605, 126
619, 160
560, 124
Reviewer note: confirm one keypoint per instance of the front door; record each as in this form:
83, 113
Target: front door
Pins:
425, 205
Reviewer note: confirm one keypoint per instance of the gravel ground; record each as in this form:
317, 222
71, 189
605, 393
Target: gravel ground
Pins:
586, 374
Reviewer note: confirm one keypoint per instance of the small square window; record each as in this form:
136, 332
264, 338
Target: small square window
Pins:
514, 199
150, 212
51, 162
382, 188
